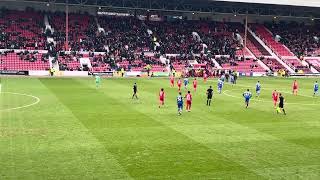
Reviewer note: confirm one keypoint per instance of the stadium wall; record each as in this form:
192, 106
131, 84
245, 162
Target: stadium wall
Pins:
15, 5
241, 18
21, 6
60, 73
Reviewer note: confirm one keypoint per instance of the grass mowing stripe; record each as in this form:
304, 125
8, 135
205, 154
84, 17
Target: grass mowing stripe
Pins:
34, 152
95, 161
292, 172
176, 142
123, 89
16, 153
67, 134
280, 143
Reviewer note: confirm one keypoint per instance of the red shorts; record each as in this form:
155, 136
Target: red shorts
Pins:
179, 85
188, 102
275, 100
295, 88
172, 82
161, 99
195, 86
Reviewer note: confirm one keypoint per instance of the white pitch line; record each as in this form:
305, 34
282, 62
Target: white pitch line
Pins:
21, 107
259, 100
287, 92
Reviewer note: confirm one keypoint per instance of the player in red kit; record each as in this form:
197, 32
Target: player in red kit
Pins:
179, 84
205, 77
172, 81
195, 84
161, 97
275, 97
189, 101
295, 88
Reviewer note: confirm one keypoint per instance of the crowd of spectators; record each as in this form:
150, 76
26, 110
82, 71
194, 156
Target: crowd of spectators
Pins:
127, 38
21, 29
121, 37
82, 29
28, 56
300, 38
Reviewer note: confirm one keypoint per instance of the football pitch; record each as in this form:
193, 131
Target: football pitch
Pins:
66, 128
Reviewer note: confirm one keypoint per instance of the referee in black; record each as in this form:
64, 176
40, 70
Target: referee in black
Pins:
135, 90
281, 104
209, 96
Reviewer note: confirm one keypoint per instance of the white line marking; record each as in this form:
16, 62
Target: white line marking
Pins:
260, 100
279, 90
21, 107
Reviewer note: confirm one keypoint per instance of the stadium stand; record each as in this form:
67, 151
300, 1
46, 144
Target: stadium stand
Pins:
244, 65
255, 47
315, 63
23, 61
300, 38
268, 38
122, 34
297, 65
122, 42
82, 29
273, 64
21, 30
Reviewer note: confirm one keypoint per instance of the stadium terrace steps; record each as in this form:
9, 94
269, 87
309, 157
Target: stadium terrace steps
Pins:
273, 64
245, 66
273, 55
12, 61
72, 64
22, 30
80, 27
263, 65
267, 37
216, 64
255, 47
244, 52
178, 37
314, 62
297, 64
281, 50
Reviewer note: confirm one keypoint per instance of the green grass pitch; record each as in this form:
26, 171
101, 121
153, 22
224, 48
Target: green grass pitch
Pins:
65, 128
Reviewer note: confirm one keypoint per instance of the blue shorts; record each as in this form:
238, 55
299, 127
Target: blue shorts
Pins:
185, 84
247, 99
180, 106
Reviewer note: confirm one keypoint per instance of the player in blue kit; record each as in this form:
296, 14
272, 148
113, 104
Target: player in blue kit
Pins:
247, 96
315, 88
186, 82
180, 103
232, 79
258, 89
220, 86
